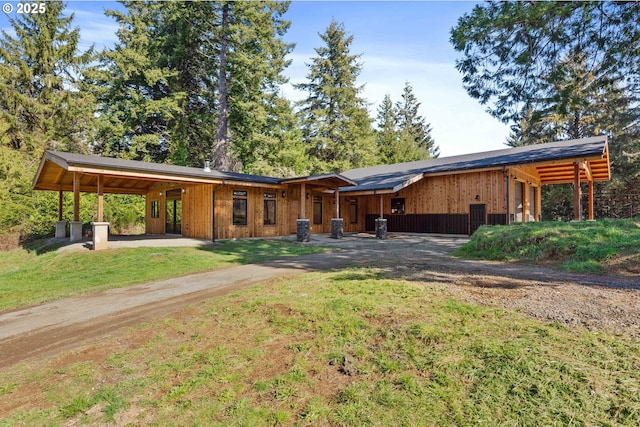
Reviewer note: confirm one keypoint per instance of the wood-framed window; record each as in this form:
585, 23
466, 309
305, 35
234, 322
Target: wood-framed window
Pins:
270, 208
155, 209
397, 206
239, 207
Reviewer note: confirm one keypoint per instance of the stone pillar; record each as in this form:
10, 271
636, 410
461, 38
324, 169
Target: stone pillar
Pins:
75, 233
61, 229
337, 229
304, 230
100, 235
381, 228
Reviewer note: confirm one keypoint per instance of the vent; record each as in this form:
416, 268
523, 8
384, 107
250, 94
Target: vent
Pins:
207, 166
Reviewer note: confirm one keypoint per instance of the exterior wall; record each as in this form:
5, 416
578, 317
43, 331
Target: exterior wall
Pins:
197, 211
444, 194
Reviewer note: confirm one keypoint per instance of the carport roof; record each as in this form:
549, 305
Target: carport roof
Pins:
553, 161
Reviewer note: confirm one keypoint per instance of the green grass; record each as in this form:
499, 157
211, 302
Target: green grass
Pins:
272, 355
574, 246
32, 277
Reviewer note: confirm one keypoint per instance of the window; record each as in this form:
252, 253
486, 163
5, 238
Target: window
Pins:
397, 206
353, 212
239, 208
269, 208
155, 209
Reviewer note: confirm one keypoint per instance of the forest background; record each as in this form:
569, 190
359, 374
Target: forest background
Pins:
189, 81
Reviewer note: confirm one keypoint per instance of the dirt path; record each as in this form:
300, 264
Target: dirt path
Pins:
592, 301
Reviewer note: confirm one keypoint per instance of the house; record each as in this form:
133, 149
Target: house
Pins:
445, 195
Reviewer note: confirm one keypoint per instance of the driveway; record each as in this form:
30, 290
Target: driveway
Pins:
591, 301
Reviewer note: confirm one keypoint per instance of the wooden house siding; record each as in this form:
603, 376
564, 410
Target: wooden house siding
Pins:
197, 212
438, 203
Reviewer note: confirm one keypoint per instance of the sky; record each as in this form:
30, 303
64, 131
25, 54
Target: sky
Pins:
399, 42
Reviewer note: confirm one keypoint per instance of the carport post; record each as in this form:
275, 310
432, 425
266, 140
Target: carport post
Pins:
577, 205
76, 224
61, 225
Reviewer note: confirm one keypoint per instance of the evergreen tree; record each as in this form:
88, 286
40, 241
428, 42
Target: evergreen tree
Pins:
387, 133
415, 132
202, 79
560, 71
335, 123
138, 105
41, 107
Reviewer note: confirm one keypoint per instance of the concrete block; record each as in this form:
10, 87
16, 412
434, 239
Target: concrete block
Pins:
75, 233
61, 229
381, 228
337, 228
100, 235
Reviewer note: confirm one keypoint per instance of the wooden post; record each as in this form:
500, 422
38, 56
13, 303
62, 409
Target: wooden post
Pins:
591, 216
577, 206
76, 196
303, 200
538, 202
337, 203
100, 198
381, 208
60, 205
526, 209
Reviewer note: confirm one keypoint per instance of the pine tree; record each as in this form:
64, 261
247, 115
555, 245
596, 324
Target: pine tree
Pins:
415, 132
387, 132
137, 103
202, 79
335, 123
41, 107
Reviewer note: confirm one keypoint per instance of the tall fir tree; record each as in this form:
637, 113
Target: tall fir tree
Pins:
415, 132
42, 107
203, 80
138, 104
335, 122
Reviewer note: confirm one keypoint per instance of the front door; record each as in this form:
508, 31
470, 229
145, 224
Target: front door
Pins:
174, 212
477, 216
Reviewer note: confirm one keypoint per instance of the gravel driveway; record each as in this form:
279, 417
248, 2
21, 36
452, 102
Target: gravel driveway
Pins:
599, 302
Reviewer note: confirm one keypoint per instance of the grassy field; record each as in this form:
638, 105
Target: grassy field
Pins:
347, 348
32, 277
595, 247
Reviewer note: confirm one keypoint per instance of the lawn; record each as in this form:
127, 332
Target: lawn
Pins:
32, 277
351, 348
604, 246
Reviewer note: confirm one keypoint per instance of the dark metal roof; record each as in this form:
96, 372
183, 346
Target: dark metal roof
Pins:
71, 159
396, 176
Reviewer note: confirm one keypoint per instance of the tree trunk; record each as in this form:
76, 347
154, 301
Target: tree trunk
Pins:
221, 159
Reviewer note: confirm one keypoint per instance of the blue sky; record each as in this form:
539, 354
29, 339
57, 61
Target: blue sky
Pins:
399, 42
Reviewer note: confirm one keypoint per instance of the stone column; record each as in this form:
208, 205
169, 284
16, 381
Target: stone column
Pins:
100, 235
381, 228
75, 233
337, 229
304, 230
61, 229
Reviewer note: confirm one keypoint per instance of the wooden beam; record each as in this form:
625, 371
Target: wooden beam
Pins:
577, 206
76, 196
337, 191
381, 208
100, 198
587, 170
